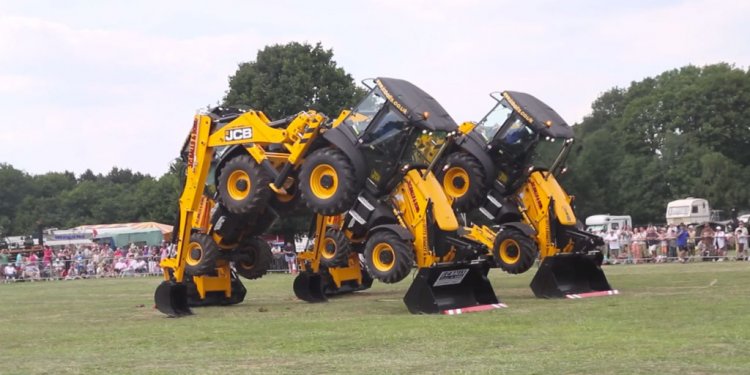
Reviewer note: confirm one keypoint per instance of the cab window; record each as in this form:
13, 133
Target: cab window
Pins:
363, 114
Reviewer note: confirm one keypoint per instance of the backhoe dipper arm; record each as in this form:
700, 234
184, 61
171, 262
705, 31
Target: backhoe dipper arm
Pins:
198, 164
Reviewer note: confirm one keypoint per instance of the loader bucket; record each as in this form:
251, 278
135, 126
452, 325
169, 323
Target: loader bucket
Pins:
565, 274
171, 299
449, 287
310, 287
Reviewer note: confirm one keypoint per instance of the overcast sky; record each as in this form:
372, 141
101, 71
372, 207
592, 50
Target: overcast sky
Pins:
97, 84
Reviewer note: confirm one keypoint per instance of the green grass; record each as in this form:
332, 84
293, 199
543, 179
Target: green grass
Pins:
669, 319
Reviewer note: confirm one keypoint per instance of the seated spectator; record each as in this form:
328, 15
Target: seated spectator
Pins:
10, 272
31, 272
120, 265
31, 269
140, 266
72, 274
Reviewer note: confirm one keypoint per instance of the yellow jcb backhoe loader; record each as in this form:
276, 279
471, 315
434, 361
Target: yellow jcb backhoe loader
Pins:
401, 216
243, 149
505, 166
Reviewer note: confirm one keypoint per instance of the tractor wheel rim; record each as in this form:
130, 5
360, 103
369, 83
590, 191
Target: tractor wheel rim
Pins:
327, 252
383, 257
324, 181
194, 254
452, 175
510, 251
242, 179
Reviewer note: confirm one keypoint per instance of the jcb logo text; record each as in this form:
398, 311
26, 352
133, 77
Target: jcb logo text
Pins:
237, 134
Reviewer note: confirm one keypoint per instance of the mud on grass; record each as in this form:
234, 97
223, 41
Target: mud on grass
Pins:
668, 319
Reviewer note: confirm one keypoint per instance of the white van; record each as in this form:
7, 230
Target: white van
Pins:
688, 211
606, 223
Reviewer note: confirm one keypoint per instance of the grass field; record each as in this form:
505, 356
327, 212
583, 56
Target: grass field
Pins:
669, 319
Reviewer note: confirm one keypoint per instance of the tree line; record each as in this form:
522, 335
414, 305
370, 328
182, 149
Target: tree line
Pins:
64, 200
682, 133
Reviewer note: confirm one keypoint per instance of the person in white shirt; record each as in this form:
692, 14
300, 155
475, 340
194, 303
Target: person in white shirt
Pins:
741, 237
120, 266
613, 242
720, 242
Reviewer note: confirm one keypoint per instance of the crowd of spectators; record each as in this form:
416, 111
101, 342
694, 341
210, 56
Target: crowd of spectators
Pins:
72, 262
678, 243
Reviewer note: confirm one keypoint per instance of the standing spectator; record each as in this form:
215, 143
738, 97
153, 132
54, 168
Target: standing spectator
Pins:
637, 243
741, 238
652, 241
67, 260
290, 255
47, 256
720, 241
672, 244
613, 243
682, 245
663, 245
3, 261
626, 238
691, 240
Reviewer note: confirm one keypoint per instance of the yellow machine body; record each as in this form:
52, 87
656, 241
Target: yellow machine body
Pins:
253, 131
535, 197
411, 200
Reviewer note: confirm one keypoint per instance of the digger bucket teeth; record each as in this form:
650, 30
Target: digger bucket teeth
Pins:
171, 299
572, 273
448, 287
310, 287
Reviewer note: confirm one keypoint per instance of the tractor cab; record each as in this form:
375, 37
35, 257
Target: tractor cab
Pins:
522, 134
397, 126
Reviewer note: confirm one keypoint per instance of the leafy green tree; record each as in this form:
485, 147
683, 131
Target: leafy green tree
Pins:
286, 79
682, 133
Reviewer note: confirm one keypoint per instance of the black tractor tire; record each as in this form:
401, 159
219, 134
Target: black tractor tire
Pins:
202, 253
252, 258
463, 179
514, 251
327, 182
388, 257
336, 249
243, 186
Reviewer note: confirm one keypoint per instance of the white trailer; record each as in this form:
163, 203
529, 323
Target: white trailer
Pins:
606, 223
688, 211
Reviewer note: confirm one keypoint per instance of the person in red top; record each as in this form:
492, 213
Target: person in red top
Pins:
47, 256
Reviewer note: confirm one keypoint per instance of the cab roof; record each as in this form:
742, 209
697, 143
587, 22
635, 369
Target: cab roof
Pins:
542, 117
413, 102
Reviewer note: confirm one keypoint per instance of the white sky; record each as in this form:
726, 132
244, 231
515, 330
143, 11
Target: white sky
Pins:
96, 84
